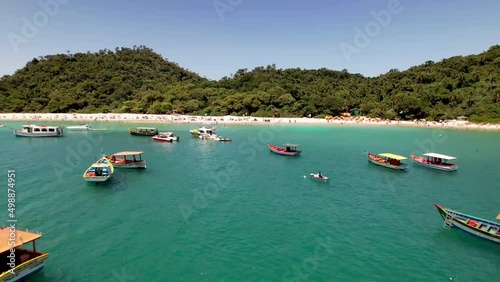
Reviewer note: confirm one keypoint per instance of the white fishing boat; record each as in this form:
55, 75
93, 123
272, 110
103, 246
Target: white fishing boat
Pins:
81, 127
32, 130
435, 161
99, 171
21, 262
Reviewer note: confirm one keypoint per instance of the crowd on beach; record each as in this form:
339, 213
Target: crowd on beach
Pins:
243, 120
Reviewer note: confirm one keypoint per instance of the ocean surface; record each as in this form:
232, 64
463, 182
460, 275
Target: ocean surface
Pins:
234, 211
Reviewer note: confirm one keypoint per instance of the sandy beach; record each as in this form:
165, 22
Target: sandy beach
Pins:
35, 118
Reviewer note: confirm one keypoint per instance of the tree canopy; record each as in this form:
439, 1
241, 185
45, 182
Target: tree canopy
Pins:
138, 80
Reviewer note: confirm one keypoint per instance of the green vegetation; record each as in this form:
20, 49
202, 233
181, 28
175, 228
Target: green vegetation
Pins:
137, 80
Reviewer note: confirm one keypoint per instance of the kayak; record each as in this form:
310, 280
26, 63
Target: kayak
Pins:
316, 176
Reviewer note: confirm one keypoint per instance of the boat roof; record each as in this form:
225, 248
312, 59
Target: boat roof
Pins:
151, 128
440, 156
291, 145
22, 237
128, 153
393, 156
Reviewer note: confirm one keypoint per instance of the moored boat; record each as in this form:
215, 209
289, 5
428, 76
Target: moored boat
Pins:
388, 160
19, 262
99, 171
473, 225
32, 130
203, 131
127, 159
144, 131
435, 161
166, 137
287, 150
81, 127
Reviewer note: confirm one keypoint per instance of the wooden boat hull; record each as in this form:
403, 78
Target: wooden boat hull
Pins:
381, 162
96, 178
475, 226
26, 269
282, 151
423, 162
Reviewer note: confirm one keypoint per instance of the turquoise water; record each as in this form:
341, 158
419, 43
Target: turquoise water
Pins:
208, 211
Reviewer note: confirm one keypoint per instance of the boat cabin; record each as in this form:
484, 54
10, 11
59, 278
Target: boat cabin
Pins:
126, 157
146, 130
439, 159
17, 261
392, 159
42, 129
290, 147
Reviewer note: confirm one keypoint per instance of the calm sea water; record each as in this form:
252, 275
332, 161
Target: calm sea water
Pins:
213, 211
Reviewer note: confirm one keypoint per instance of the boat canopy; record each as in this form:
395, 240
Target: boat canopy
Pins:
291, 145
393, 156
22, 237
440, 156
128, 153
146, 128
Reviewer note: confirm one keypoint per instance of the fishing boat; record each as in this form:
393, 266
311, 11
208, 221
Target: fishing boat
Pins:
319, 176
32, 130
127, 159
473, 225
287, 150
81, 127
388, 160
202, 131
99, 171
144, 131
166, 137
435, 161
19, 262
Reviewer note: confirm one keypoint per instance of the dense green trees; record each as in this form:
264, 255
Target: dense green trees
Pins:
137, 80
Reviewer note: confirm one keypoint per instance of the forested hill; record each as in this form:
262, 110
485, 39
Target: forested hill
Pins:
138, 80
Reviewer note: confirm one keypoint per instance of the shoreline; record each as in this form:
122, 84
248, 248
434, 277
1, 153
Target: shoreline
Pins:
35, 118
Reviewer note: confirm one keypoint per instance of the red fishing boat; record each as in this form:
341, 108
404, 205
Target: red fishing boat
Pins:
287, 150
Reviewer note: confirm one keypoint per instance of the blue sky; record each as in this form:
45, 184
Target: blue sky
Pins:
216, 42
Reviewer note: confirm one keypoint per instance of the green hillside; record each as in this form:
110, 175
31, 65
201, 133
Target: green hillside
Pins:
138, 80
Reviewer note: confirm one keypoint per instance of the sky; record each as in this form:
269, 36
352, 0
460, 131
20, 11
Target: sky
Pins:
215, 38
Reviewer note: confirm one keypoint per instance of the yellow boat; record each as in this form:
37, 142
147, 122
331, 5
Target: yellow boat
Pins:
19, 263
388, 160
99, 171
